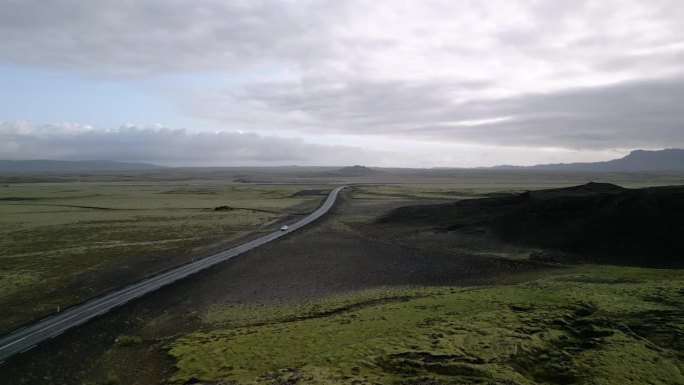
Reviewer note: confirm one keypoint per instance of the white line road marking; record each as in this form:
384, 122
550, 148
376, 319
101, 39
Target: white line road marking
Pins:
144, 287
57, 335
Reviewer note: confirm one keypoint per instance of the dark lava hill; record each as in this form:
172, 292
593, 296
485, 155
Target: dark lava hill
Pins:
596, 222
354, 171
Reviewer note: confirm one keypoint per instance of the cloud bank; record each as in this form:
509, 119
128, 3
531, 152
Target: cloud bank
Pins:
156, 144
179, 147
637, 114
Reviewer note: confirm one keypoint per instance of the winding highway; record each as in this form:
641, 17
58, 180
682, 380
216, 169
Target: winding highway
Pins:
28, 337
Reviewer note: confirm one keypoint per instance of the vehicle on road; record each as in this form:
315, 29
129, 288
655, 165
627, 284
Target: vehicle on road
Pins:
27, 337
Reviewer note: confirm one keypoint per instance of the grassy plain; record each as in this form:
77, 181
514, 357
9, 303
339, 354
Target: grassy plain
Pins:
261, 318
590, 324
63, 243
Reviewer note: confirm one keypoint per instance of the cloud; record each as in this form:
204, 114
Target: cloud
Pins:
519, 44
133, 38
573, 75
72, 141
179, 147
639, 114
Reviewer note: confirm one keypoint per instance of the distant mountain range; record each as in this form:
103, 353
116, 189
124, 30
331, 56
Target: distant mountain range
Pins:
67, 166
637, 160
353, 171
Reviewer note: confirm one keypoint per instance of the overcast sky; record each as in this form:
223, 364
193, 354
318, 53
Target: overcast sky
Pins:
383, 82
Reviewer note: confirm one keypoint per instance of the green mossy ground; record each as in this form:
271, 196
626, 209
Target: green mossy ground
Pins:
588, 325
65, 243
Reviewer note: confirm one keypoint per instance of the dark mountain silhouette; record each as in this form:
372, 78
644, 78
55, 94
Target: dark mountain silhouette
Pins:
354, 171
637, 160
66, 166
596, 222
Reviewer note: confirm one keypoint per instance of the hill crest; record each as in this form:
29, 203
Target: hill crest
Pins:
595, 222
638, 160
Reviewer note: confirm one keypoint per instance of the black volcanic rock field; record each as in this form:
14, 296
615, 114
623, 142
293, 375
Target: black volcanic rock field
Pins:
597, 222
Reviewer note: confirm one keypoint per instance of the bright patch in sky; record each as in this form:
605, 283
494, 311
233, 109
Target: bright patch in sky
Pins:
43, 95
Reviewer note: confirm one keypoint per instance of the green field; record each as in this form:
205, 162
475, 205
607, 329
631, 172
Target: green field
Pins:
61, 243
64, 243
589, 325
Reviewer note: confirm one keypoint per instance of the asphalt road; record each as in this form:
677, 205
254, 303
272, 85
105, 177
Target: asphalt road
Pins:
28, 337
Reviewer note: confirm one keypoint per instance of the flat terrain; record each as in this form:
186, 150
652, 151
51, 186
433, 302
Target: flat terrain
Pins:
356, 302
63, 243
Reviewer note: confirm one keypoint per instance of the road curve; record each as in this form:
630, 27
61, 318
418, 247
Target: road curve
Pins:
28, 337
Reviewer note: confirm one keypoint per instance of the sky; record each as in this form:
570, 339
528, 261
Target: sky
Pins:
410, 83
